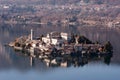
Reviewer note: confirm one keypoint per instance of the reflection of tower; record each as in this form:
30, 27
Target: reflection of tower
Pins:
31, 61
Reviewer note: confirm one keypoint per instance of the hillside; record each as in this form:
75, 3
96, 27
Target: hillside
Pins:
62, 2
80, 12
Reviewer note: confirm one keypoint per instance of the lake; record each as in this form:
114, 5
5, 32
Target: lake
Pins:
16, 66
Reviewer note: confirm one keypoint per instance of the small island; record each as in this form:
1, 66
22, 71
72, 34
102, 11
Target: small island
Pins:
60, 44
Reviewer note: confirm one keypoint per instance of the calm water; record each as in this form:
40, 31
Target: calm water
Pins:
15, 66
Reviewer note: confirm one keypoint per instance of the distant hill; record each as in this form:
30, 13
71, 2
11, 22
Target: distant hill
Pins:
86, 11
62, 2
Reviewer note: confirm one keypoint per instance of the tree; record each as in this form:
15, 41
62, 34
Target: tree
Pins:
108, 47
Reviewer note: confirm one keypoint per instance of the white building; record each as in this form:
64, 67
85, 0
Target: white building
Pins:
64, 36
49, 41
55, 38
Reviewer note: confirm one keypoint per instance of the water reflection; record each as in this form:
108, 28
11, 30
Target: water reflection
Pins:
68, 60
76, 61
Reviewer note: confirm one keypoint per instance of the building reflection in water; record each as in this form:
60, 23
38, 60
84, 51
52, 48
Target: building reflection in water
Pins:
107, 59
68, 61
32, 61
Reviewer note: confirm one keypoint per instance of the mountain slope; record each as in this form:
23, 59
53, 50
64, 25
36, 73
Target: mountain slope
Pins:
62, 2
